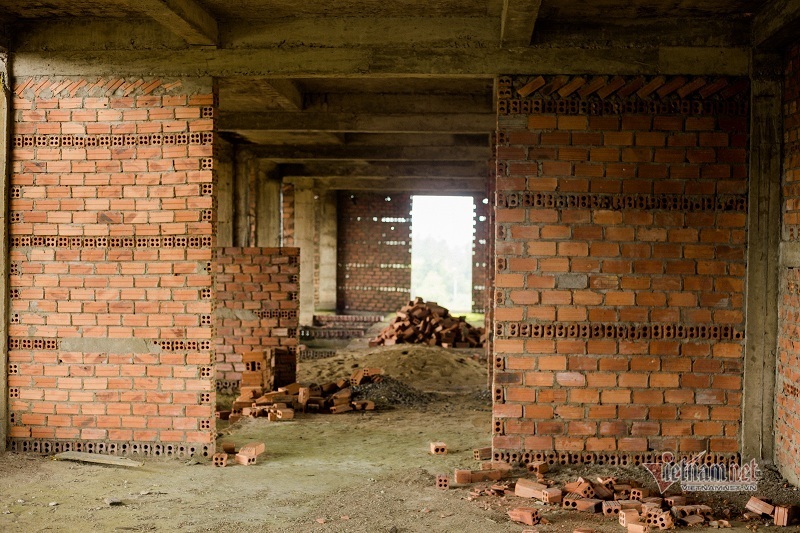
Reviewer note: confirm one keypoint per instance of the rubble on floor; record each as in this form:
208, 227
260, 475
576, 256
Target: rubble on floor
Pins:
429, 323
258, 399
246, 455
634, 507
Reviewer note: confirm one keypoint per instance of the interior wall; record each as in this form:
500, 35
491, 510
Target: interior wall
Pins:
257, 306
112, 239
621, 213
787, 386
374, 252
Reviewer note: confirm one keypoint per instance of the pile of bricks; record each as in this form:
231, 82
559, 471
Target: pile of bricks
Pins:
247, 455
333, 397
422, 322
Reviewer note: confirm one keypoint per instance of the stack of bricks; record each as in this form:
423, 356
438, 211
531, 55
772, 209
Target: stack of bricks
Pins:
111, 265
787, 386
269, 369
374, 246
620, 232
257, 307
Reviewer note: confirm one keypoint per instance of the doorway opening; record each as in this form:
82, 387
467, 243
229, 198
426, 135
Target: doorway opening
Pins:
442, 235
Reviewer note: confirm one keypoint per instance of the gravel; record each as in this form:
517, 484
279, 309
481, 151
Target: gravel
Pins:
389, 393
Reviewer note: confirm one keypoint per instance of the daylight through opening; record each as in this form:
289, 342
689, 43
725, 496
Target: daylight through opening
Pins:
442, 234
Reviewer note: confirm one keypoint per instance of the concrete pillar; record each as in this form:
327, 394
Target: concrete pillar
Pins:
763, 253
304, 225
225, 172
268, 207
327, 250
241, 198
5, 135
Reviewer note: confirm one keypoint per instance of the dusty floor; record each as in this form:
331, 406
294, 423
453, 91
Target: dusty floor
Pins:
355, 472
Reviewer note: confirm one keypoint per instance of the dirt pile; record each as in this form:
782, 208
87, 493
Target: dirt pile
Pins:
427, 368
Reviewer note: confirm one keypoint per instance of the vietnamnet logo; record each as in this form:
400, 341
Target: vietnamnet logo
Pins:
695, 475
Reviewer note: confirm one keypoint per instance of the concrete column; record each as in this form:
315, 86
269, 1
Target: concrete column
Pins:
225, 171
304, 224
327, 250
763, 252
268, 207
241, 198
5, 135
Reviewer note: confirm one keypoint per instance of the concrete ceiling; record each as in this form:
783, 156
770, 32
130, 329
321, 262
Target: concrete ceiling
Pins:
601, 10
338, 87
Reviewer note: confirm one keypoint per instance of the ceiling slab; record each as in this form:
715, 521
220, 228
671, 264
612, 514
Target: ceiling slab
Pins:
570, 11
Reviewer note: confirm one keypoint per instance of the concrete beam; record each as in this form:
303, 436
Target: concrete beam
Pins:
185, 18
429, 33
386, 62
393, 102
518, 20
453, 32
419, 170
5, 177
342, 122
282, 153
764, 222
776, 24
452, 186
646, 32
417, 139
286, 94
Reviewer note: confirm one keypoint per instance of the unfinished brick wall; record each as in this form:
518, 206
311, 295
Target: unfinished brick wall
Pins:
112, 240
620, 241
374, 250
480, 253
787, 385
257, 305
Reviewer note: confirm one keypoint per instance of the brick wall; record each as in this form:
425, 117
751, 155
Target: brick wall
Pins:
374, 250
787, 386
112, 239
620, 224
257, 305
